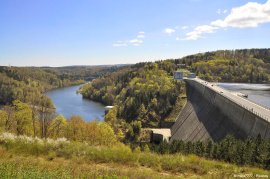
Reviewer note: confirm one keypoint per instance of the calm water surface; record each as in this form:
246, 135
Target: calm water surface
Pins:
259, 93
67, 103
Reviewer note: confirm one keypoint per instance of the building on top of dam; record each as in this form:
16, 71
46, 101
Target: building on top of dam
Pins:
178, 75
191, 75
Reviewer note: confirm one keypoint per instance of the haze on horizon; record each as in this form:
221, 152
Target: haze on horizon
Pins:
64, 33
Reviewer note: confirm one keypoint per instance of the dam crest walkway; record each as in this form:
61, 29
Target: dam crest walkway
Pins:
256, 108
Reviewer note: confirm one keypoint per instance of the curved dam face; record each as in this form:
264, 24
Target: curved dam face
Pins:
213, 112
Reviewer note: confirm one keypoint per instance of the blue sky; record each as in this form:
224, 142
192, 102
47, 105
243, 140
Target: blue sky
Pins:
95, 32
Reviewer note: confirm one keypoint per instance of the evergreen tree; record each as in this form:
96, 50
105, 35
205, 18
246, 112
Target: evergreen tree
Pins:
208, 148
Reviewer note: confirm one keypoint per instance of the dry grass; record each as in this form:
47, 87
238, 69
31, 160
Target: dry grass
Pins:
78, 160
38, 167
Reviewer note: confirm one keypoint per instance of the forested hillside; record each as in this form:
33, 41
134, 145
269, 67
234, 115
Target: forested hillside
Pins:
247, 65
84, 72
22, 83
145, 92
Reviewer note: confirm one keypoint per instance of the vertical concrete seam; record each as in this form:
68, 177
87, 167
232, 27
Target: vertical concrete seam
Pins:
267, 128
253, 128
240, 126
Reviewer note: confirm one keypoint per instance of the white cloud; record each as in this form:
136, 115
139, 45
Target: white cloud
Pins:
204, 29
192, 36
135, 41
177, 38
166, 44
249, 15
184, 27
119, 45
169, 31
219, 11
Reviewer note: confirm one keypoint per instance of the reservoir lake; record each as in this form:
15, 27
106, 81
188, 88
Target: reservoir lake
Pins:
259, 93
68, 103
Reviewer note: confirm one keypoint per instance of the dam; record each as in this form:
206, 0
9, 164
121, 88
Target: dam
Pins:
212, 112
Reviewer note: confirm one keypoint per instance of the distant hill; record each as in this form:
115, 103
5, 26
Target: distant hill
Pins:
86, 72
72, 66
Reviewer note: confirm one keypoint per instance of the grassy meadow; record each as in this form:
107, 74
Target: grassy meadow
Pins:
27, 157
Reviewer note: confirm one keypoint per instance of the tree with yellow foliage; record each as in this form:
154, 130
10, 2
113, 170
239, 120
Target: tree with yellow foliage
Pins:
7, 119
58, 127
107, 135
75, 129
23, 118
111, 119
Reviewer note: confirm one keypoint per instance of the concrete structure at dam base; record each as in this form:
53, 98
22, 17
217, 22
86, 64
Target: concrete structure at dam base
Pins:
212, 112
161, 135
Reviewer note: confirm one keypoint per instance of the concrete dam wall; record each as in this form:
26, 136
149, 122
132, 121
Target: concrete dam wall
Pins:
213, 112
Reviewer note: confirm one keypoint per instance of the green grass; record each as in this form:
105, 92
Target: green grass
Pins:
14, 169
77, 159
26, 166
182, 69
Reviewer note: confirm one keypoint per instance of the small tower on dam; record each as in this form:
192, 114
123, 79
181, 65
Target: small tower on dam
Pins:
191, 75
178, 75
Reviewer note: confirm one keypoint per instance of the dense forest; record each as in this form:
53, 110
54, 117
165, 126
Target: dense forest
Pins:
143, 92
247, 65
